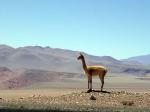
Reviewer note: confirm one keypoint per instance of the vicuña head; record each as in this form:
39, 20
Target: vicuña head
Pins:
80, 57
92, 71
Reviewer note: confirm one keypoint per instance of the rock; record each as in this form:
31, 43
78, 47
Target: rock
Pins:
92, 97
22, 98
32, 95
128, 103
77, 102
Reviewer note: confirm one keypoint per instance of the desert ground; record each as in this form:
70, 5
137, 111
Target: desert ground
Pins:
121, 93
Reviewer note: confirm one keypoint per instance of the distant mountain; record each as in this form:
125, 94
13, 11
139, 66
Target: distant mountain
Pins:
46, 58
144, 59
61, 60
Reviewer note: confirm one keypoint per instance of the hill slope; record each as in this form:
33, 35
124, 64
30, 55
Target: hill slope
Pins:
59, 60
144, 59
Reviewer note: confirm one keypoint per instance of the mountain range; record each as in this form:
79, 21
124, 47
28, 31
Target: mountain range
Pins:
144, 59
30, 64
62, 60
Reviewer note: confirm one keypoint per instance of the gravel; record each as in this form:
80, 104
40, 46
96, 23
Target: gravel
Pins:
84, 101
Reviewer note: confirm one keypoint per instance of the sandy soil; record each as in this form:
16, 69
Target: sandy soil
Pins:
122, 83
14, 94
67, 86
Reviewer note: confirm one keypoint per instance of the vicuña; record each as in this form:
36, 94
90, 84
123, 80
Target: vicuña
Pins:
92, 71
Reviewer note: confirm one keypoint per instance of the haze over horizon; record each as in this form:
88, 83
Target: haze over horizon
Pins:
113, 28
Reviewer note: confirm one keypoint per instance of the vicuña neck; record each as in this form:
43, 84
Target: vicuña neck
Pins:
84, 64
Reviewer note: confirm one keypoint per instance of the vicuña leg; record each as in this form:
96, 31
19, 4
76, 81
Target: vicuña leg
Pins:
90, 83
102, 82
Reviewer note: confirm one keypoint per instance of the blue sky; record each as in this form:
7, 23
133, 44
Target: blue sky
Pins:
118, 28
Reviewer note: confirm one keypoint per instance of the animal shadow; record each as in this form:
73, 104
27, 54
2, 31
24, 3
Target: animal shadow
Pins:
98, 91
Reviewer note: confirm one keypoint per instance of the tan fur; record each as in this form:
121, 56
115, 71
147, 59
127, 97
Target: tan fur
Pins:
96, 70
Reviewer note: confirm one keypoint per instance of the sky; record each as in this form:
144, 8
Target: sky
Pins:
117, 28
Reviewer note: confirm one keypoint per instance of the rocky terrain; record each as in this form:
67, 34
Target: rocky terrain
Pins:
82, 101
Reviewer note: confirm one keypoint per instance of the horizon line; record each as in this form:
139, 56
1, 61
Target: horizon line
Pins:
48, 46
